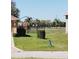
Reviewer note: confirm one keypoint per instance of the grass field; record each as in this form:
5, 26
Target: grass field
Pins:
57, 36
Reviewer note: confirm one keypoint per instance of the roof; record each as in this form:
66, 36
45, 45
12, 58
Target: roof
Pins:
13, 17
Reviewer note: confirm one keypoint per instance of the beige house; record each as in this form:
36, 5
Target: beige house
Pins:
13, 24
25, 25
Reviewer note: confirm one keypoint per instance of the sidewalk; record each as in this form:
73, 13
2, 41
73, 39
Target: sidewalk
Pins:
17, 53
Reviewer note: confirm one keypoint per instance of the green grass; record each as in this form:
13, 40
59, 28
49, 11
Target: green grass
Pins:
57, 36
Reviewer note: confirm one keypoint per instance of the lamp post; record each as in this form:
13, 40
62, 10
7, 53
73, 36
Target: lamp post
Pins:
66, 17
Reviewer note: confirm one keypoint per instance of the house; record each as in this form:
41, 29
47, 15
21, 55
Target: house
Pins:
66, 17
26, 25
14, 24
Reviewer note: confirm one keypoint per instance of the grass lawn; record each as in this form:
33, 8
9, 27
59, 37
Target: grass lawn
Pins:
57, 36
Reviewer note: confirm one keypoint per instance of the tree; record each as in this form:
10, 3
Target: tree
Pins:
28, 19
55, 22
28, 22
37, 22
62, 24
14, 11
58, 23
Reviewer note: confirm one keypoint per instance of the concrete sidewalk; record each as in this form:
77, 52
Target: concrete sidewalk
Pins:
17, 53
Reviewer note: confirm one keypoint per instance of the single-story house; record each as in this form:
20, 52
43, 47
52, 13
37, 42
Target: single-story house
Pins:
14, 24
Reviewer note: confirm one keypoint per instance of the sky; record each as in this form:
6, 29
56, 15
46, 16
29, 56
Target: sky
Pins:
42, 9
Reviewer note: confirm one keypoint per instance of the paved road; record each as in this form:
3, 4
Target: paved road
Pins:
17, 53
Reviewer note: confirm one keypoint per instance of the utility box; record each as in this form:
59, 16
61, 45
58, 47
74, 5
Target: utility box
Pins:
41, 34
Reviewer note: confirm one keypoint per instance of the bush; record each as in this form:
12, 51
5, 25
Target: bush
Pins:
21, 31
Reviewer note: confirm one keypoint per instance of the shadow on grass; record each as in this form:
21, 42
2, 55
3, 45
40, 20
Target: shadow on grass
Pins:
22, 35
